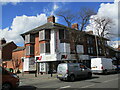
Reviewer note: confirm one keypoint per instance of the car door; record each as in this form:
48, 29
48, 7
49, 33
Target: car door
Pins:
83, 70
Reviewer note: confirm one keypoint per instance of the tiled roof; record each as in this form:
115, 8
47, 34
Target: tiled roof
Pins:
45, 26
18, 49
51, 25
3, 45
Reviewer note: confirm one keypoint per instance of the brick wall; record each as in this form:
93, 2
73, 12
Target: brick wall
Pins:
7, 51
17, 58
37, 46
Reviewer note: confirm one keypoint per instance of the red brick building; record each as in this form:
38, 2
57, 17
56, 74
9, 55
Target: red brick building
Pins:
17, 58
50, 44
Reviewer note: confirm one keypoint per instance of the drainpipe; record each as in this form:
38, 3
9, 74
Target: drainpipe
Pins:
96, 45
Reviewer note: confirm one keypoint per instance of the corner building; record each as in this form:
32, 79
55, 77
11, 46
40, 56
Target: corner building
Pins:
50, 44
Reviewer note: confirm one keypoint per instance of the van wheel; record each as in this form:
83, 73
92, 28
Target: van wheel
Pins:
6, 86
89, 75
72, 78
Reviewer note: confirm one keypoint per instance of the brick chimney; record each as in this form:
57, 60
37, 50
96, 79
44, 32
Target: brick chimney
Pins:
2, 41
51, 19
75, 26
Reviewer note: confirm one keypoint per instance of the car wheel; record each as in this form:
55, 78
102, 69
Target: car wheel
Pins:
89, 75
72, 78
6, 86
105, 72
60, 79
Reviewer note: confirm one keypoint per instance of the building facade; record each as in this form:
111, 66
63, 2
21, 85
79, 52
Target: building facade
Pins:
50, 44
6, 49
18, 59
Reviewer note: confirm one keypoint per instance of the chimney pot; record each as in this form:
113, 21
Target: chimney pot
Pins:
51, 19
75, 26
2, 41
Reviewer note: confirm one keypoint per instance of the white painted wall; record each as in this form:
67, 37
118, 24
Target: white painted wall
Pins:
26, 64
29, 64
52, 42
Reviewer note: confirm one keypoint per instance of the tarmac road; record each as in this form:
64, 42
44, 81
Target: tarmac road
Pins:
47, 82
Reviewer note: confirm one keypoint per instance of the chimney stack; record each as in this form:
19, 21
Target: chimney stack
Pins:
2, 41
51, 19
75, 26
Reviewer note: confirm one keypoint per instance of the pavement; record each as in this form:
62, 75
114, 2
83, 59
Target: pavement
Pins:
39, 76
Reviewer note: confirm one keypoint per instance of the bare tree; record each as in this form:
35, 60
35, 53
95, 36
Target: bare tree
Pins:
16, 64
76, 39
83, 17
67, 15
102, 26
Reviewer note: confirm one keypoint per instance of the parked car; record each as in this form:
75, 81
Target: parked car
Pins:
71, 71
9, 79
102, 65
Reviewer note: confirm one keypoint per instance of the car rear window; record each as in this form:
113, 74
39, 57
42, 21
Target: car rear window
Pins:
62, 67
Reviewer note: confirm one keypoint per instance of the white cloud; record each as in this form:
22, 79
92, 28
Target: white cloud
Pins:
51, 9
114, 44
14, 2
109, 10
20, 25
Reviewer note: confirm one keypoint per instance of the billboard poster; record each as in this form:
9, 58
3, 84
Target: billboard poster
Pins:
42, 67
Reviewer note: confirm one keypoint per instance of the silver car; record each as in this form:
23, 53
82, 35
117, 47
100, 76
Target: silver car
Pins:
71, 71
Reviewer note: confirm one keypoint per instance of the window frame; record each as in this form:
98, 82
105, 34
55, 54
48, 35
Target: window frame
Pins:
29, 50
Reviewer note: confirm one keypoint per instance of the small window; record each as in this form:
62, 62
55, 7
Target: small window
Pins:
47, 34
90, 50
41, 35
27, 38
42, 48
61, 34
30, 50
100, 50
45, 47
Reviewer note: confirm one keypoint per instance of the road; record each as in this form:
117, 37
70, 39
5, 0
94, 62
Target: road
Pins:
97, 81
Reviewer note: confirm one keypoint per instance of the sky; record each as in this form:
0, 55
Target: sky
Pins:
19, 17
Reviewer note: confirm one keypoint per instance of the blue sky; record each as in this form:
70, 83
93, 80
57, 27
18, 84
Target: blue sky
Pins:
23, 16
10, 11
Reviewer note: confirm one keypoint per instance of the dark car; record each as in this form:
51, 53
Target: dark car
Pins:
9, 79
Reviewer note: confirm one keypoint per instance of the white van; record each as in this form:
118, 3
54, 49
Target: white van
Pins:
71, 71
102, 65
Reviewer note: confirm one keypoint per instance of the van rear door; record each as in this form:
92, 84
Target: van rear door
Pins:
62, 69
